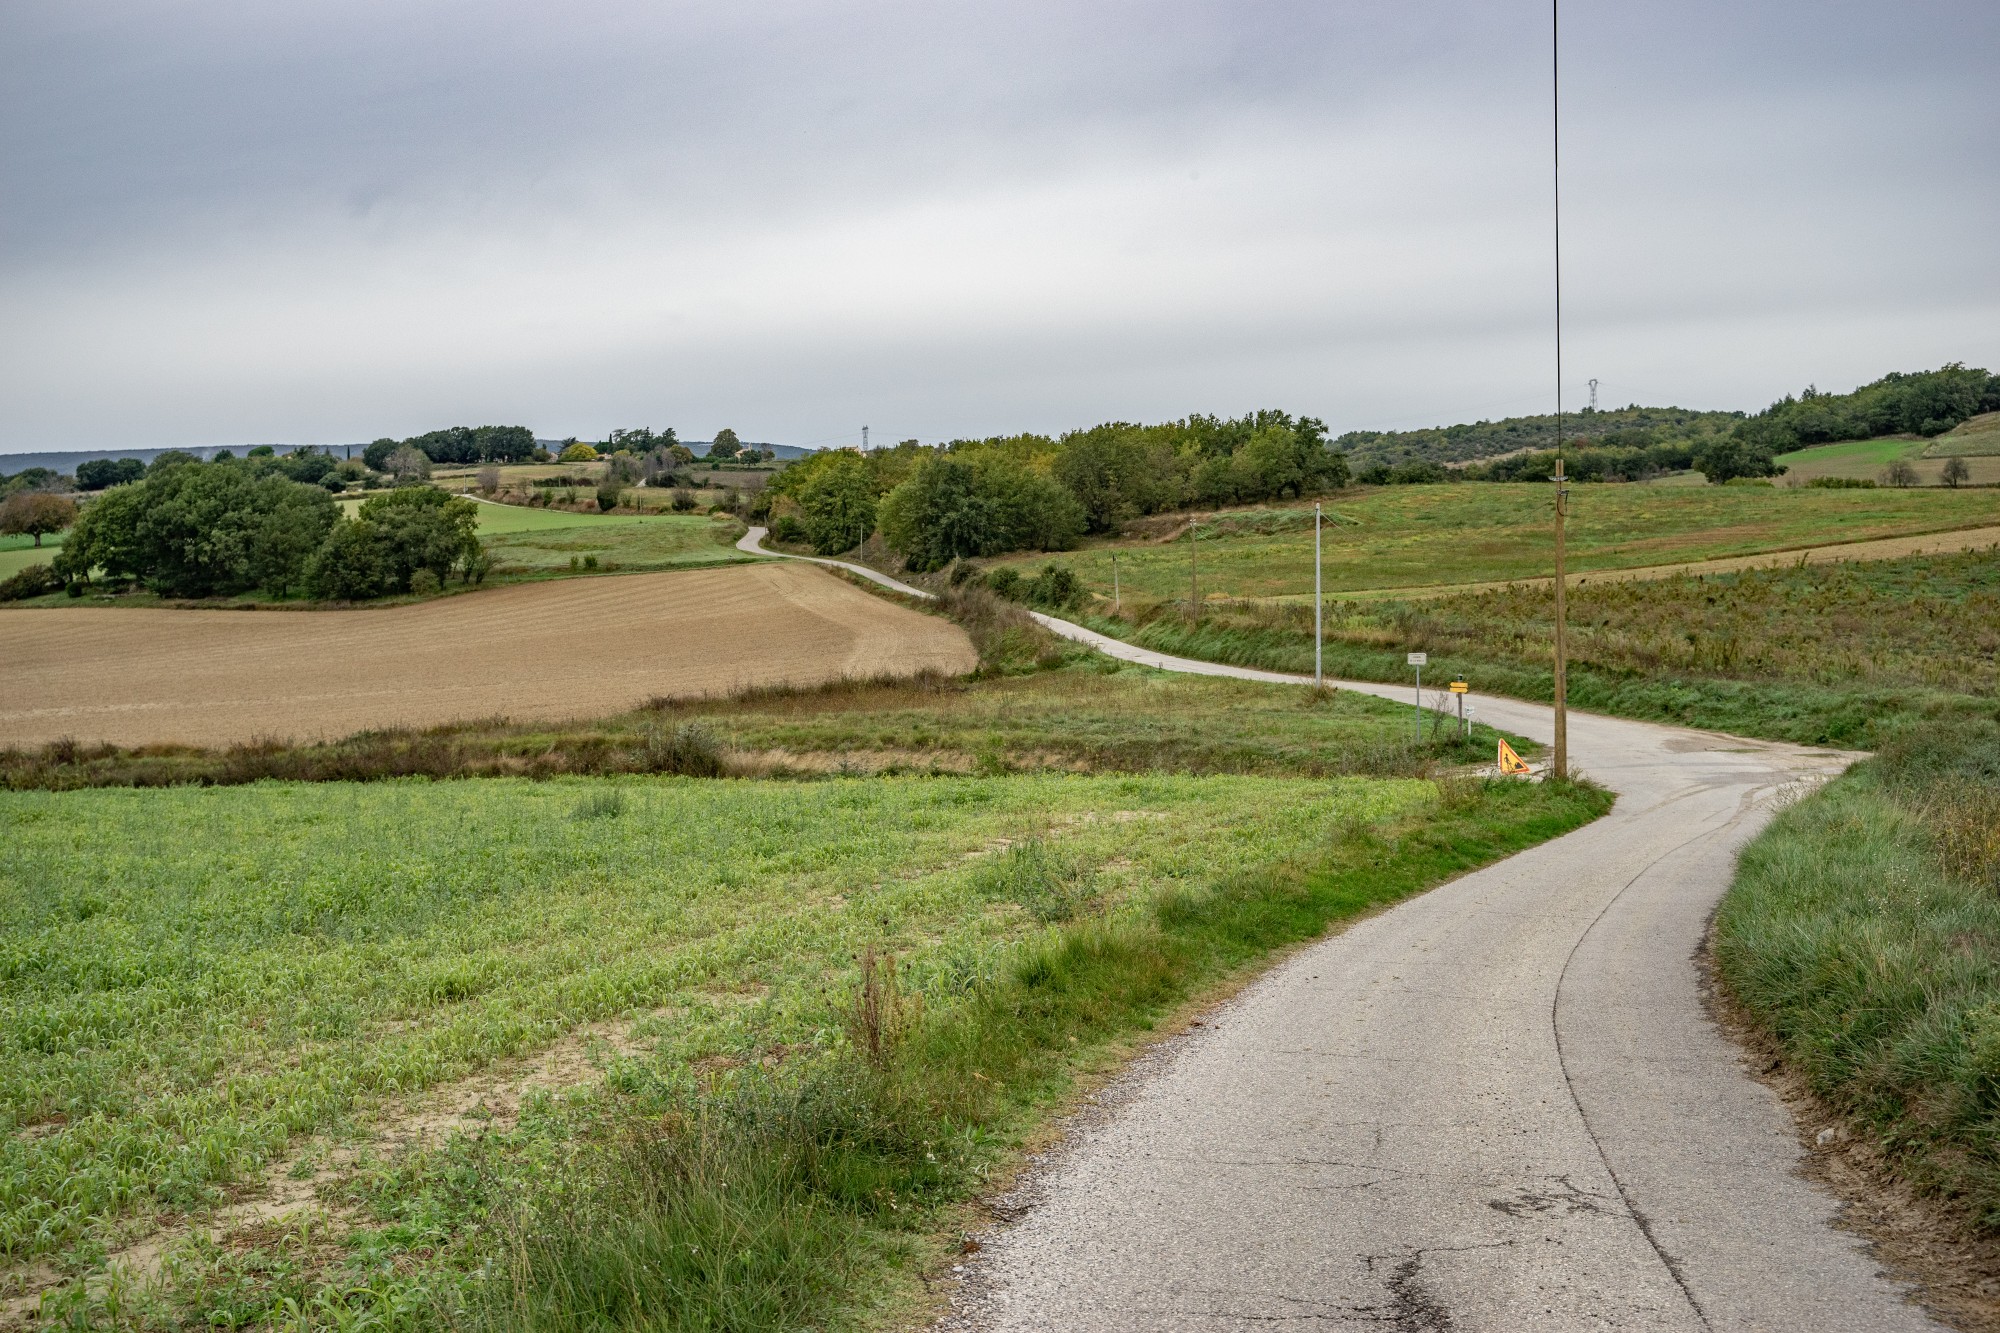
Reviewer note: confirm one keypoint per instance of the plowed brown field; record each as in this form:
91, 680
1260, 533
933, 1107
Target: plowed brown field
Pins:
545, 650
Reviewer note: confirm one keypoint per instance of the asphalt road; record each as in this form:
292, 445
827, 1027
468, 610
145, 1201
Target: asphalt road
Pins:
1499, 1106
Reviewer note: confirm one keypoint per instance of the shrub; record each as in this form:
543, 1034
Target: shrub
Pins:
1956, 471
609, 494
577, 452
333, 483
1841, 484
1005, 581
1899, 474
689, 750
424, 583
489, 479
684, 501
34, 581
1055, 588
786, 529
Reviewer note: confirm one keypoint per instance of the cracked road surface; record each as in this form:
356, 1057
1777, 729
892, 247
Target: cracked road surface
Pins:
1498, 1106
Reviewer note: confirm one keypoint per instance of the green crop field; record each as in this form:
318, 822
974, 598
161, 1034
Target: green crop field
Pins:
1420, 536
209, 996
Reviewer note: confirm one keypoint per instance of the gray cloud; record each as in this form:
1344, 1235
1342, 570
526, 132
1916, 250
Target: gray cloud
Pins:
226, 222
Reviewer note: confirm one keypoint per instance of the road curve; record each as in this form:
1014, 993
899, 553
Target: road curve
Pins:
1499, 1106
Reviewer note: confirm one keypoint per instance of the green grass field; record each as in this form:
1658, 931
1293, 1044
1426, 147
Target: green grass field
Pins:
1424, 536
207, 993
1861, 458
1865, 459
541, 541
17, 553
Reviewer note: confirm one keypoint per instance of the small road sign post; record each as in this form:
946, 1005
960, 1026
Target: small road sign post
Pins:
1418, 660
1117, 602
1459, 688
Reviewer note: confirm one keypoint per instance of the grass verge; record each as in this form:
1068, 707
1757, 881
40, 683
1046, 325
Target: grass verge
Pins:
785, 1202
1863, 934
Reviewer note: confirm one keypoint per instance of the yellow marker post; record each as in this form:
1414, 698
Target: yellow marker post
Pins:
1459, 687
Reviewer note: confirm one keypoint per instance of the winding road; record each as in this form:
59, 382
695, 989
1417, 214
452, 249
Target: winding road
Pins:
1499, 1106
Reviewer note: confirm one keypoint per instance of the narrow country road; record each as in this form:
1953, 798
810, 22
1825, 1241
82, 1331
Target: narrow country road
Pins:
1499, 1106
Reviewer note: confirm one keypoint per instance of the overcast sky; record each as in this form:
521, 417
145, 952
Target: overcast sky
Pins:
326, 222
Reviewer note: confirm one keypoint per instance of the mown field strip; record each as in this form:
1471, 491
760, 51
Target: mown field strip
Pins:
546, 650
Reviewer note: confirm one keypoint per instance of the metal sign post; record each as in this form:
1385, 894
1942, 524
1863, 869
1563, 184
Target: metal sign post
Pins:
1418, 660
1459, 687
1117, 602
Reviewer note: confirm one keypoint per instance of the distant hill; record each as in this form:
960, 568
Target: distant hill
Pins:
1632, 426
66, 461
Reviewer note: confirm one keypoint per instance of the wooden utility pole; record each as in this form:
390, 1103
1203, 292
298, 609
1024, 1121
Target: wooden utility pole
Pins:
1561, 766
1319, 638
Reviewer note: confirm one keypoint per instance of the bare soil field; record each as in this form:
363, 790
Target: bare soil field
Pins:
544, 650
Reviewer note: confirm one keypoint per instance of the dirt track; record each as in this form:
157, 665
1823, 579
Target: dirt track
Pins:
546, 650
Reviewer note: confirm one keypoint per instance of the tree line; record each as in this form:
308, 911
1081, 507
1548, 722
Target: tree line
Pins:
460, 446
1924, 402
193, 529
932, 505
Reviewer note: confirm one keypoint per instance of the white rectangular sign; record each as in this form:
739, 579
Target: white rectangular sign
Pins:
1420, 659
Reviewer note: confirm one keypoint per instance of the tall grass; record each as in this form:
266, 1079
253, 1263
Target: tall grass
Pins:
1836, 655
1863, 931
791, 1198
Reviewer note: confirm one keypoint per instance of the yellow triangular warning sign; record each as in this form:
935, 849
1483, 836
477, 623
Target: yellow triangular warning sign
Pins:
1509, 761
